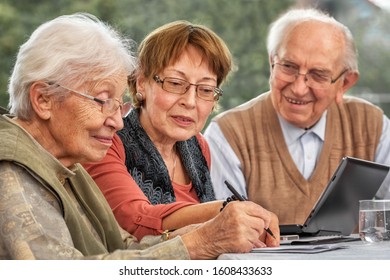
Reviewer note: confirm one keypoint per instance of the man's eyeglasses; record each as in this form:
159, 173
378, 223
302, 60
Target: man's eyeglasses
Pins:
314, 78
179, 86
109, 106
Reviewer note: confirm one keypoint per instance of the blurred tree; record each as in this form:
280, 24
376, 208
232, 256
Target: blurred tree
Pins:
18, 18
242, 24
9, 41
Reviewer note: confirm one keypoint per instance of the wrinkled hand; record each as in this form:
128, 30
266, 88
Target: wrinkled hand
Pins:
237, 229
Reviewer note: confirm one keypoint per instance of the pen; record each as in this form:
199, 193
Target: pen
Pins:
242, 198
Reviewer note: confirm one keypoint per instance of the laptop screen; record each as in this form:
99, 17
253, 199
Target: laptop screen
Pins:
337, 210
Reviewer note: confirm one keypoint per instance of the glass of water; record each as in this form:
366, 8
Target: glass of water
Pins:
374, 220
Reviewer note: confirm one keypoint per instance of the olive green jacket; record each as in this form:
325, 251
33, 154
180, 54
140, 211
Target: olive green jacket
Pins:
64, 214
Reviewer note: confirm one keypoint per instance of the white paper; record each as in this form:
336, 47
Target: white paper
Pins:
306, 249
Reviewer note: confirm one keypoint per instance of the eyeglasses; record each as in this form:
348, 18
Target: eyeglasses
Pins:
109, 106
179, 86
316, 79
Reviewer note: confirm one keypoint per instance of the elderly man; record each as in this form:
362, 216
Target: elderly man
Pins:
281, 148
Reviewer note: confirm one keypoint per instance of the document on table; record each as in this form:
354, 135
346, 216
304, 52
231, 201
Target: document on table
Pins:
304, 249
317, 240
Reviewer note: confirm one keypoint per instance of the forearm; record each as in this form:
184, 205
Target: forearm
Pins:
192, 214
151, 248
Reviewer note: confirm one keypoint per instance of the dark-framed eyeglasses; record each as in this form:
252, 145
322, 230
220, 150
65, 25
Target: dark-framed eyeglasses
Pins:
109, 105
179, 86
316, 79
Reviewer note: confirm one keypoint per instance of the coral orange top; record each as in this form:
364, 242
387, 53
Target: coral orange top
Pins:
131, 207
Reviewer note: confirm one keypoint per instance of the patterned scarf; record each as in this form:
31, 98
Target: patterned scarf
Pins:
149, 171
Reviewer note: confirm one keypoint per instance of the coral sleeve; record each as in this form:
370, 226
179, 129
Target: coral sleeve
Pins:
130, 206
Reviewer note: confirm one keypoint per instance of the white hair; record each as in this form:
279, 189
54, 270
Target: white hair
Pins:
288, 21
67, 49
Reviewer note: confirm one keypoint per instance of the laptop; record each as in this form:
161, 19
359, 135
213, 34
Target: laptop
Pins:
337, 210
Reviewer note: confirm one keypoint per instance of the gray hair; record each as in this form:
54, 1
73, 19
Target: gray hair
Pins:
67, 49
288, 21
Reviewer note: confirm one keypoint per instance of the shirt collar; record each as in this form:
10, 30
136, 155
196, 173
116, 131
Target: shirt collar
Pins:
292, 133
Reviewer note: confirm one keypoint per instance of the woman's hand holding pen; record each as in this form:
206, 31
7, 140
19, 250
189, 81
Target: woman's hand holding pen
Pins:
237, 229
269, 231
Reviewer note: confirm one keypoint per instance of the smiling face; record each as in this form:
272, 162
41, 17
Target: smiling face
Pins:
75, 130
169, 117
310, 46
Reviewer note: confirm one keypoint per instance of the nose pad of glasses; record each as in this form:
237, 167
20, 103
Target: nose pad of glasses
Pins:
298, 77
303, 75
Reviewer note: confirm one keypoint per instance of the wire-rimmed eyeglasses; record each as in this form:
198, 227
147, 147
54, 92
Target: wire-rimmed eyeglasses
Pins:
179, 86
316, 79
109, 105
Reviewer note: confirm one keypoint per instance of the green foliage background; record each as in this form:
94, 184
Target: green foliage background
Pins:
243, 24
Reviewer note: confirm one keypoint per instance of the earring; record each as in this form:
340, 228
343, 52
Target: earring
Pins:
139, 96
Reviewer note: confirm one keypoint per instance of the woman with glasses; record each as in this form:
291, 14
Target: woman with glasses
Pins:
156, 174
281, 148
66, 105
